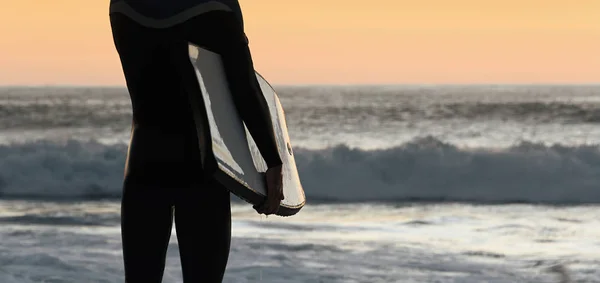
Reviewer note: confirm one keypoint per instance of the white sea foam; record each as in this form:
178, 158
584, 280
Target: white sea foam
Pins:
424, 169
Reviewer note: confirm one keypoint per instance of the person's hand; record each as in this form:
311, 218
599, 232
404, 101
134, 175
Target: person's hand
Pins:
274, 178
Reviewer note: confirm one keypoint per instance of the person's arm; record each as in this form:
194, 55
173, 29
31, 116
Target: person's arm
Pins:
255, 112
245, 89
250, 101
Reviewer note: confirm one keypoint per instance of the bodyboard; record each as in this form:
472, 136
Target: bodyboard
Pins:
229, 153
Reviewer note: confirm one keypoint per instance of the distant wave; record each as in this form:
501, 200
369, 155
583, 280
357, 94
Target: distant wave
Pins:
422, 170
35, 108
530, 112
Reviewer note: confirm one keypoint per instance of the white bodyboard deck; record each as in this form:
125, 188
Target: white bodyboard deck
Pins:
229, 152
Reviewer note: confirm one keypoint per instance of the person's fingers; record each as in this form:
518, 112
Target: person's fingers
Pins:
259, 208
271, 207
274, 194
264, 207
273, 204
276, 203
280, 187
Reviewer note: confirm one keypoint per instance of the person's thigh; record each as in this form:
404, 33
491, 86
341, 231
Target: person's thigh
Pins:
146, 221
203, 224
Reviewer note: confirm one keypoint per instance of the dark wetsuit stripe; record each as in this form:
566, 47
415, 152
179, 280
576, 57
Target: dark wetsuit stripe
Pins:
169, 13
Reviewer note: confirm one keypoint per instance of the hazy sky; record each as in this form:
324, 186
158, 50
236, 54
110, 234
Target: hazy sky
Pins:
333, 41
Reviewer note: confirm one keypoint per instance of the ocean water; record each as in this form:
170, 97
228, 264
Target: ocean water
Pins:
496, 183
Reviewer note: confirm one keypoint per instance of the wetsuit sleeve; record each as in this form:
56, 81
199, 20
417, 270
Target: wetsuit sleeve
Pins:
245, 89
254, 110
250, 101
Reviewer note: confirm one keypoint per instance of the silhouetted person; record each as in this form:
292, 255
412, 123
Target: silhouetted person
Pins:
163, 173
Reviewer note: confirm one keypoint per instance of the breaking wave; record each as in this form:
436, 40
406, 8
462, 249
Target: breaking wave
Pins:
425, 169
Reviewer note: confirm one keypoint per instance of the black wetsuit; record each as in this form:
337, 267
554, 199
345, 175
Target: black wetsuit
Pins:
163, 175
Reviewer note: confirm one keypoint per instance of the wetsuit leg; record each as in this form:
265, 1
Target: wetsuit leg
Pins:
146, 220
203, 223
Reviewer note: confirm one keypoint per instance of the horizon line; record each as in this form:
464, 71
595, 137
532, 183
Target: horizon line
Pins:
327, 84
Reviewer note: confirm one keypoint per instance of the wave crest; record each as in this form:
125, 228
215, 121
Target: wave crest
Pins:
425, 169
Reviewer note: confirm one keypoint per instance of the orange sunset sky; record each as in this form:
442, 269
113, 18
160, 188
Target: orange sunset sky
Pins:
68, 42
